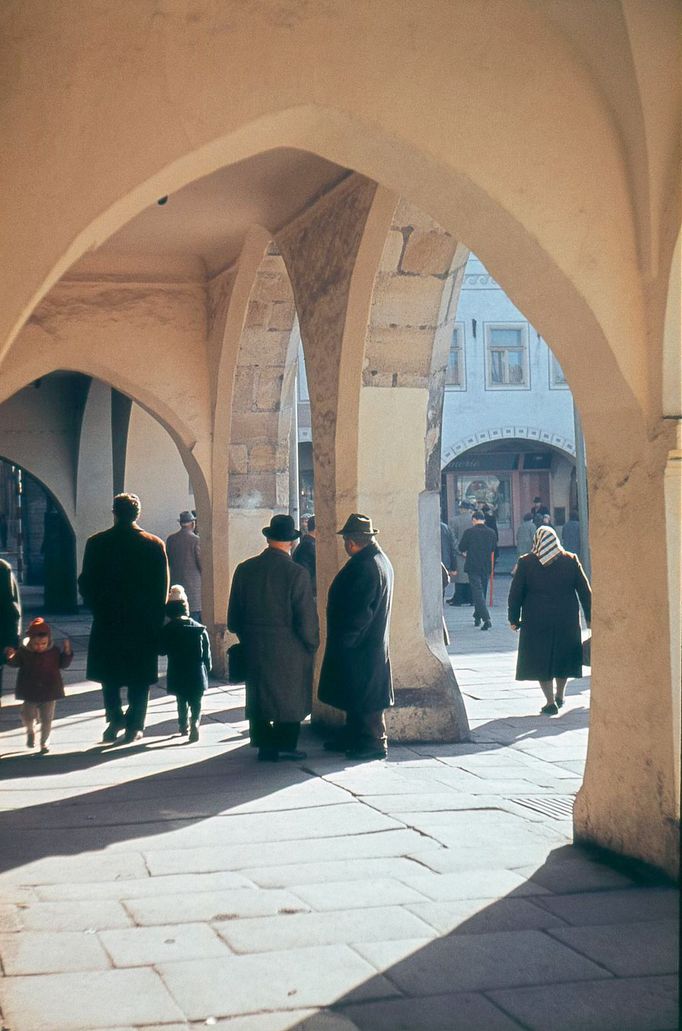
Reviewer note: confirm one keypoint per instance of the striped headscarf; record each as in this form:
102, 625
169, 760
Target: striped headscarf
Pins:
546, 545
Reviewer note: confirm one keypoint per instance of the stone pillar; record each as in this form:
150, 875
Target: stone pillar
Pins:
369, 443
628, 801
262, 408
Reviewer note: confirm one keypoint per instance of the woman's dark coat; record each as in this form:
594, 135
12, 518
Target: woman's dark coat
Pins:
10, 609
356, 671
186, 644
125, 584
544, 600
272, 612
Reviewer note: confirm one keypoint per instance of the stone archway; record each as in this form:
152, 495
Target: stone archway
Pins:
580, 234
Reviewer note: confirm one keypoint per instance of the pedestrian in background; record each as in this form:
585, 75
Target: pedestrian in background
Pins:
10, 613
124, 582
356, 670
305, 554
460, 525
543, 604
273, 613
570, 534
477, 545
184, 562
524, 535
39, 682
186, 643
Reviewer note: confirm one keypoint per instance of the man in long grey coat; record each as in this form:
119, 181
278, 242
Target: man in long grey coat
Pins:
124, 582
184, 561
272, 612
356, 671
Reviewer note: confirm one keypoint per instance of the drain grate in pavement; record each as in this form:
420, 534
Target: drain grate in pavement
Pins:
559, 807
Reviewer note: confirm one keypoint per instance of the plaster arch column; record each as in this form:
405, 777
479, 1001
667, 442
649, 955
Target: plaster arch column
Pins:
369, 442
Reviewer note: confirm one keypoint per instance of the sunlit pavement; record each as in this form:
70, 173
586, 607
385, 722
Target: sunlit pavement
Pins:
172, 885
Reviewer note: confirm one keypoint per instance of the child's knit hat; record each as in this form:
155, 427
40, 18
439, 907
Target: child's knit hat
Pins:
38, 628
177, 593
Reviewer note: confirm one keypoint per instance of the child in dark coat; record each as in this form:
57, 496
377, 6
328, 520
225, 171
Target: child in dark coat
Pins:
39, 683
186, 644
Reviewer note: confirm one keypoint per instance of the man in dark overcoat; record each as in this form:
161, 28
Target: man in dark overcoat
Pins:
356, 671
10, 613
272, 612
124, 582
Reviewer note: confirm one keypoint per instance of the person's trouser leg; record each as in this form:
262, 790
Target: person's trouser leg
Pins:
29, 712
477, 583
259, 733
46, 710
285, 736
138, 696
113, 711
182, 715
369, 731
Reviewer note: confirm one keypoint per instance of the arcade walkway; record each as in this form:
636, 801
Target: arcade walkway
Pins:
175, 886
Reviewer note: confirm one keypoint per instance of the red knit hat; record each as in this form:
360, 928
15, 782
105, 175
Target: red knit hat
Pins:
38, 628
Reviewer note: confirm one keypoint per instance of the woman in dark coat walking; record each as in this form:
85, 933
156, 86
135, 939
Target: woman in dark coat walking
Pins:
543, 604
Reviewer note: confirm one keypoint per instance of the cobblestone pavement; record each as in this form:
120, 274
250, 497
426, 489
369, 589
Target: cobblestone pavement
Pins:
172, 885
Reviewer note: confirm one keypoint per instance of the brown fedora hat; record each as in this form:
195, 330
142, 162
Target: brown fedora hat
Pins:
357, 524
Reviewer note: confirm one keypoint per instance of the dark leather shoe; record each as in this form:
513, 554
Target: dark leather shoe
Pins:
366, 754
268, 755
131, 736
335, 745
487, 625
194, 733
110, 734
477, 621
549, 710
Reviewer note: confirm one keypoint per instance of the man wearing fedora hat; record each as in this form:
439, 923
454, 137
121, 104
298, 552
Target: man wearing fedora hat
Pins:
356, 671
272, 612
184, 561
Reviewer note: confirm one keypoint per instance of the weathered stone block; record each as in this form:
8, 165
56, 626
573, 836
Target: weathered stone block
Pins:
257, 313
245, 386
406, 301
269, 389
255, 426
272, 287
238, 458
282, 315
393, 249
261, 458
428, 253
255, 490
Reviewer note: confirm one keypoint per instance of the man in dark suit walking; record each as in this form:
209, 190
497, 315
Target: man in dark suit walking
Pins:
477, 545
272, 612
124, 582
356, 671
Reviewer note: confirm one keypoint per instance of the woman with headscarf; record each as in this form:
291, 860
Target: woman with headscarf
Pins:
543, 604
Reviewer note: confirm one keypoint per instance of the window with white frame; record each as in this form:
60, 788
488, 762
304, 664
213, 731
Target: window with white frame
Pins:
506, 356
557, 380
455, 374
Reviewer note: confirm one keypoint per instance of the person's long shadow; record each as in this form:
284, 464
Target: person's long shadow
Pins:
155, 804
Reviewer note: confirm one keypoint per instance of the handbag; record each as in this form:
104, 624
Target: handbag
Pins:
587, 651
236, 664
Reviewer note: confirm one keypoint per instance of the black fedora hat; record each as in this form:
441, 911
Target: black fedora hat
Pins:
281, 528
357, 524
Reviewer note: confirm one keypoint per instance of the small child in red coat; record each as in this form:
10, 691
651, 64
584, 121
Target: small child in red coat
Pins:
39, 683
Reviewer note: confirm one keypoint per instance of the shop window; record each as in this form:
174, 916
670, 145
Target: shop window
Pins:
506, 357
488, 489
454, 373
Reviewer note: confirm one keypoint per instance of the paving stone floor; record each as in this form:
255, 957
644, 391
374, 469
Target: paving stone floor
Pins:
166, 885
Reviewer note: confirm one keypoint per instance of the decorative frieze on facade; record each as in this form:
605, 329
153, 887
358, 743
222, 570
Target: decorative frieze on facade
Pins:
539, 436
